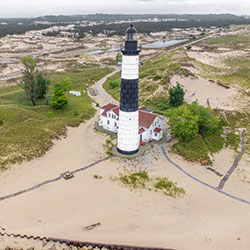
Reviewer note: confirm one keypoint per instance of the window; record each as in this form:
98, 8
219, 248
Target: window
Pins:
150, 132
155, 134
108, 122
115, 124
109, 114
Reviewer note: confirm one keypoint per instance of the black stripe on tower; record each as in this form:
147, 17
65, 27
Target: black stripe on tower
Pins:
129, 95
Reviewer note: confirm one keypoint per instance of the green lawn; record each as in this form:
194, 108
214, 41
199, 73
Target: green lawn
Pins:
27, 131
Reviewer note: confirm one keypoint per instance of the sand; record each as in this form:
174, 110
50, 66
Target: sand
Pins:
200, 219
218, 96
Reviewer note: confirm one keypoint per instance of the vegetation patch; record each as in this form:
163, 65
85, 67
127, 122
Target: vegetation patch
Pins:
168, 187
109, 144
27, 131
142, 180
232, 140
198, 131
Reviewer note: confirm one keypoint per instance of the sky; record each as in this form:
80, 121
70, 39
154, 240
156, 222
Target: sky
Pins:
34, 8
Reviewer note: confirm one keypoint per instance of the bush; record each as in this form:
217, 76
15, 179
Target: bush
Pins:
114, 84
59, 99
183, 124
42, 85
176, 95
1, 121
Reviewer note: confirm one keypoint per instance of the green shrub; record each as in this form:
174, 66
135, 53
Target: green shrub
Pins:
176, 95
59, 99
114, 84
1, 121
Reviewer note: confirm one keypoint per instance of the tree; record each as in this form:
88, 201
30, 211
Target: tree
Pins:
35, 82
59, 98
29, 78
207, 122
42, 84
183, 124
189, 121
176, 95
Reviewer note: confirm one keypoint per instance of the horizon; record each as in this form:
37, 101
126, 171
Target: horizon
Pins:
97, 13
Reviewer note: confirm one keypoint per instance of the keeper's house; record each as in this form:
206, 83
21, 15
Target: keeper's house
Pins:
150, 124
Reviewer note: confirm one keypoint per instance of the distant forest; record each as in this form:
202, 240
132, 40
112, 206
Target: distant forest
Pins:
108, 23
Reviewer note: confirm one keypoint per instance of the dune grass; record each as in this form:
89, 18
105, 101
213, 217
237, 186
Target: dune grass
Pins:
141, 180
27, 131
199, 149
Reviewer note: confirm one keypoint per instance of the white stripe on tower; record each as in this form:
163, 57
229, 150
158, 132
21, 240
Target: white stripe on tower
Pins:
130, 67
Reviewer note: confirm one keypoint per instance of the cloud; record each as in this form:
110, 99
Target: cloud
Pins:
27, 8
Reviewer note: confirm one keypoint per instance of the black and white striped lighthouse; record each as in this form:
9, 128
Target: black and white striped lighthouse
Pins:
128, 136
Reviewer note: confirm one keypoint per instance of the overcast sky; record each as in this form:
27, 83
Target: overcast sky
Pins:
32, 8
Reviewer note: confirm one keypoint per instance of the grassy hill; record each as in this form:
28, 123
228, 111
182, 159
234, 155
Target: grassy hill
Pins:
27, 131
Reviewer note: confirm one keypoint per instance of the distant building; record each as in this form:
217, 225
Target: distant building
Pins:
150, 124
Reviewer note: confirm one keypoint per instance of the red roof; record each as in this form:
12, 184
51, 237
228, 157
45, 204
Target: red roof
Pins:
143, 107
116, 110
146, 119
141, 130
109, 106
157, 130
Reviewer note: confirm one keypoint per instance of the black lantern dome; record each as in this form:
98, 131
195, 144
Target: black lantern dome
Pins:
131, 31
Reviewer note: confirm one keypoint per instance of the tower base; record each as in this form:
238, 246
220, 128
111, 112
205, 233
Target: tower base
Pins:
127, 152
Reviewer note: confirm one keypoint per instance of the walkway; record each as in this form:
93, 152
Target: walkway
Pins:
202, 182
235, 163
102, 92
52, 180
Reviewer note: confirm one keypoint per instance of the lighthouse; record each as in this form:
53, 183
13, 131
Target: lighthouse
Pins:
128, 136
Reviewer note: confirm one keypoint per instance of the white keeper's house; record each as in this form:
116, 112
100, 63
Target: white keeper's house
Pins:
150, 124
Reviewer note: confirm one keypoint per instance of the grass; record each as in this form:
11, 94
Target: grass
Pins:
238, 72
108, 146
135, 180
141, 180
200, 148
27, 131
229, 40
232, 141
236, 120
168, 187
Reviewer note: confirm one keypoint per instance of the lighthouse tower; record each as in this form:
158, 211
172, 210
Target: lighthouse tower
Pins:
128, 136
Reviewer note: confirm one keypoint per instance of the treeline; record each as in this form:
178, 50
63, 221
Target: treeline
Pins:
105, 23
148, 27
